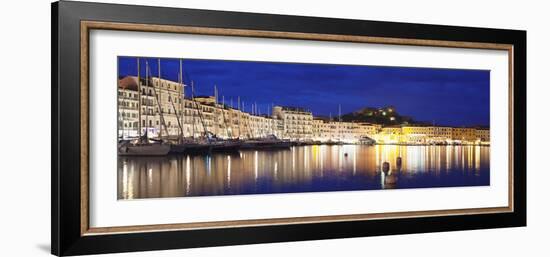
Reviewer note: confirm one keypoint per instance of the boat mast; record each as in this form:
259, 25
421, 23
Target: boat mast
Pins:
216, 116
247, 122
157, 100
163, 123
227, 132
339, 129
193, 104
139, 99
199, 110
273, 123
182, 97
122, 118
239, 112
121, 114
244, 122
340, 113
231, 116
176, 111
146, 109
160, 101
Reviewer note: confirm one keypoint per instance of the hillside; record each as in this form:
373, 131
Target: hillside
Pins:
385, 116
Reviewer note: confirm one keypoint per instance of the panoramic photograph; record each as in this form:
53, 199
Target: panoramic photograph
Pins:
197, 127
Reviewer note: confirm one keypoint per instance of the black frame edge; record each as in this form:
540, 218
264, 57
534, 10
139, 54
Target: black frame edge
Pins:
65, 178
54, 131
520, 126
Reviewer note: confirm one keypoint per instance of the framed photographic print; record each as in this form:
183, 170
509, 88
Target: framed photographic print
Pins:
178, 128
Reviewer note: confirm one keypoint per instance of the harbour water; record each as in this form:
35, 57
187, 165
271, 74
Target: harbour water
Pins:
314, 168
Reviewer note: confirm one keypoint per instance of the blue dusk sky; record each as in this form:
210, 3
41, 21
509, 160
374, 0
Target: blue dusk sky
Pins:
444, 96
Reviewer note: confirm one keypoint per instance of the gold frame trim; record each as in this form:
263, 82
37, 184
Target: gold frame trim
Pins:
86, 26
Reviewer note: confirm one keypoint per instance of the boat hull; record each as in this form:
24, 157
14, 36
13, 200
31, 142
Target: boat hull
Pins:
267, 145
144, 150
207, 148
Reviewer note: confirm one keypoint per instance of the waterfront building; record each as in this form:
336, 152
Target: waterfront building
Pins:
297, 122
345, 131
334, 131
210, 116
194, 122
204, 115
483, 134
317, 126
465, 135
158, 96
427, 134
324, 130
166, 112
367, 129
128, 111
389, 135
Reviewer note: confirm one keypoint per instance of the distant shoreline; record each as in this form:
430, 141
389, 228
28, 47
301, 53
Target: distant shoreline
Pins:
437, 144
399, 144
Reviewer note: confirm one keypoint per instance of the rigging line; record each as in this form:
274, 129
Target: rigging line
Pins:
158, 101
176, 111
200, 114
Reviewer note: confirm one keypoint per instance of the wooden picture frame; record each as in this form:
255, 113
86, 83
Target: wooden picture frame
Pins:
71, 25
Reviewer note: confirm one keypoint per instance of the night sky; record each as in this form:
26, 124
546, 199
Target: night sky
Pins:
443, 96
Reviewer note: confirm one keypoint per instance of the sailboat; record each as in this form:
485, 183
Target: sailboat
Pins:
143, 145
208, 142
142, 148
271, 142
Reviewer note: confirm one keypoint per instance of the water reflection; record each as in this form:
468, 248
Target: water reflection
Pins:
303, 169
